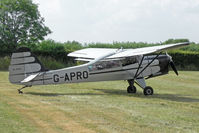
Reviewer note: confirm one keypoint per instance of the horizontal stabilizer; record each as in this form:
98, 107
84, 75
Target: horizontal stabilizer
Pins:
83, 59
30, 78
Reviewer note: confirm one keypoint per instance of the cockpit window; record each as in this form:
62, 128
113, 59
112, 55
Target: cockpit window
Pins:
104, 65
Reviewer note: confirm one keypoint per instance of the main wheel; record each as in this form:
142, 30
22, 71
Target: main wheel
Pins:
148, 91
131, 89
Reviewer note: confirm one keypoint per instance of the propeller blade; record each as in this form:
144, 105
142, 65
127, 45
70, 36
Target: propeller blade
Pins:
173, 67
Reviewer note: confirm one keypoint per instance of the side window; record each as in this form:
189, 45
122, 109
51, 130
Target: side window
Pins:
102, 65
129, 61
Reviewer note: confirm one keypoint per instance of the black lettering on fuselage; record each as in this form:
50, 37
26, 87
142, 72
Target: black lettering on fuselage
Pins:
85, 74
56, 78
71, 76
66, 77
79, 75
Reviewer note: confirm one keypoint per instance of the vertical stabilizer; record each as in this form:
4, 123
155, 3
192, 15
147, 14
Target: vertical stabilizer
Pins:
23, 64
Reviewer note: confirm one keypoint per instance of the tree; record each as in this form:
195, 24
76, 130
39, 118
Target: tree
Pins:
20, 24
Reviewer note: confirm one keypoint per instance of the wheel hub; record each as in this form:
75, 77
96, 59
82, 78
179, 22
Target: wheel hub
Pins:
148, 91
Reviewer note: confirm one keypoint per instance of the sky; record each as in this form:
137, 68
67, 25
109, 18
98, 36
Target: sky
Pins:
109, 21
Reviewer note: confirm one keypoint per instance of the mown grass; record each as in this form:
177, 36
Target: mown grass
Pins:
102, 107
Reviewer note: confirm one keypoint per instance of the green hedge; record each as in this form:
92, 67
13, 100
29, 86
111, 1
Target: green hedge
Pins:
47, 61
186, 60
57, 49
183, 61
4, 63
54, 54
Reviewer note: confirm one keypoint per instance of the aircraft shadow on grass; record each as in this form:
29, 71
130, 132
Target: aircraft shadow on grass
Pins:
169, 97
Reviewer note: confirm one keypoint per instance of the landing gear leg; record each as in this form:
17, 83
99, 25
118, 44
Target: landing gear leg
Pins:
20, 90
131, 88
147, 90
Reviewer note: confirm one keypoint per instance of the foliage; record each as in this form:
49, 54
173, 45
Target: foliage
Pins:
72, 46
20, 24
170, 41
52, 63
186, 60
56, 50
192, 48
120, 45
48, 62
50, 48
4, 63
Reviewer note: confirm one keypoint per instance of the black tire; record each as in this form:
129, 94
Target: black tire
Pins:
20, 92
148, 91
131, 89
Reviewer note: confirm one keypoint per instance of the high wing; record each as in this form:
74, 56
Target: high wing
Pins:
148, 50
93, 53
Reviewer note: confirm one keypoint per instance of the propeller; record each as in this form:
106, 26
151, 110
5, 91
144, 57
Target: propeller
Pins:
173, 67
172, 64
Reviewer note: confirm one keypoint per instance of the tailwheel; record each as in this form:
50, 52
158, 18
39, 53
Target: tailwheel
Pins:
131, 89
148, 91
20, 92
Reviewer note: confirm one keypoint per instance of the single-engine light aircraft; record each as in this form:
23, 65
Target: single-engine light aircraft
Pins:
103, 64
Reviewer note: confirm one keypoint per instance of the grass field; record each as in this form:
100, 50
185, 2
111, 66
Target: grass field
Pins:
102, 107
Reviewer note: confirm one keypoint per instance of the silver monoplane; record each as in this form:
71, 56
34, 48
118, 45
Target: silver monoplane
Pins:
103, 64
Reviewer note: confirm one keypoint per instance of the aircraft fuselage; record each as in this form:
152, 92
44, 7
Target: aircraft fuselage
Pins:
121, 69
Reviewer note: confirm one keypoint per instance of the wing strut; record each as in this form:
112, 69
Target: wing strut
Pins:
139, 67
138, 74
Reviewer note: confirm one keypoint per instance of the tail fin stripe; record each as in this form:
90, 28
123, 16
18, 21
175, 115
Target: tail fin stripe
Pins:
32, 67
27, 68
19, 55
24, 73
22, 60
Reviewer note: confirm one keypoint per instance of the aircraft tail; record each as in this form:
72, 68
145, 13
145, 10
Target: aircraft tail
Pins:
23, 64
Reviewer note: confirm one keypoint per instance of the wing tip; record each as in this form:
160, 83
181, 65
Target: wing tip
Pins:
184, 43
